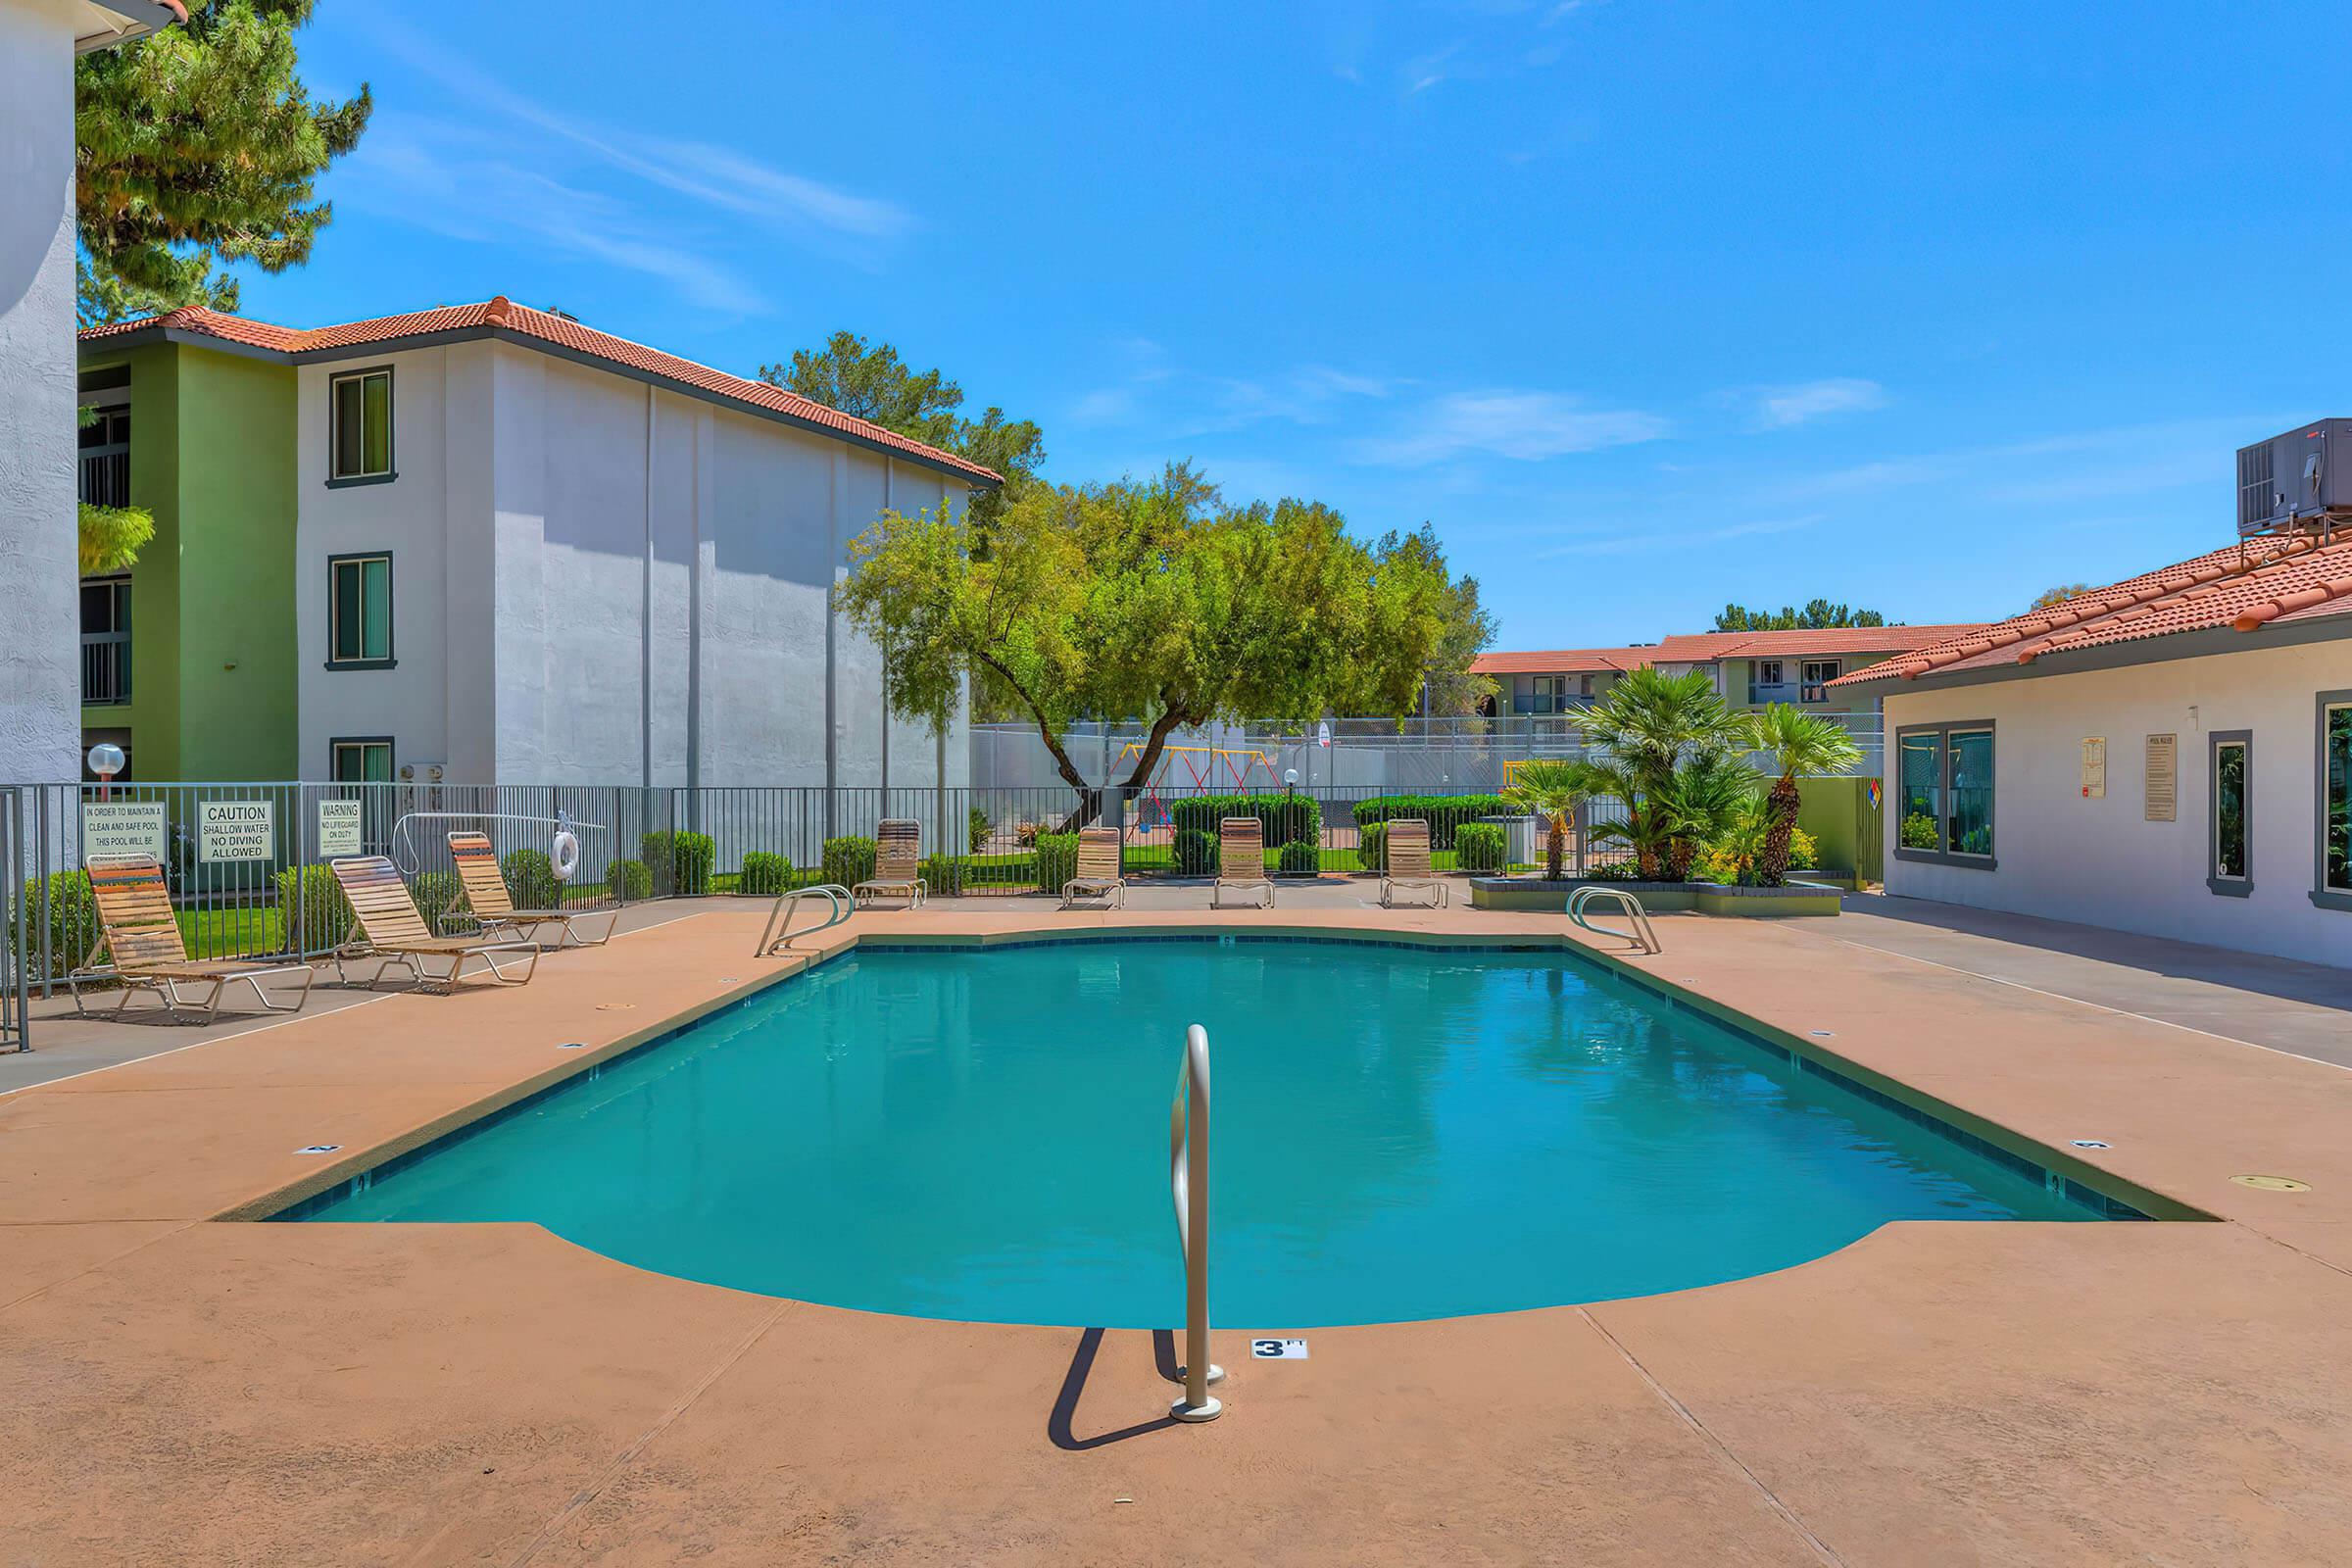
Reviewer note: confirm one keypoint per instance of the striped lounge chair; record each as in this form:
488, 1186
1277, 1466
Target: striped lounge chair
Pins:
486, 904
145, 952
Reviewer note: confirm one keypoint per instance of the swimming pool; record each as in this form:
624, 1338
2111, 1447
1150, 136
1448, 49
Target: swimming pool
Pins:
1399, 1133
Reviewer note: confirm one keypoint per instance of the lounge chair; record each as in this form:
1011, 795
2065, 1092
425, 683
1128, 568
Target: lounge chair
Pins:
1098, 869
898, 862
141, 939
1241, 859
1406, 857
389, 929
486, 904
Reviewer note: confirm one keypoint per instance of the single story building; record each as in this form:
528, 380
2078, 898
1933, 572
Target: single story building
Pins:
2171, 755
488, 544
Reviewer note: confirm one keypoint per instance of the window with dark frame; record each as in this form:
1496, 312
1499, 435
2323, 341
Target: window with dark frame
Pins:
1944, 793
361, 761
2229, 832
2332, 888
358, 611
359, 413
1819, 672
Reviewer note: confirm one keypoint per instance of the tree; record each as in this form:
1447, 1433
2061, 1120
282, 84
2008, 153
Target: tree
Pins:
1551, 790
1698, 803
1805, 745
1817, 614
111, 537
200, 144
1648, 730
869, 381
1154, 600
2059, 595
1466, 629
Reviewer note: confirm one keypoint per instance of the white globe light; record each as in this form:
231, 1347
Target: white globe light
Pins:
106, 759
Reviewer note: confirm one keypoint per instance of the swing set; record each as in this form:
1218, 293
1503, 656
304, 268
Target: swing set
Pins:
1213, 770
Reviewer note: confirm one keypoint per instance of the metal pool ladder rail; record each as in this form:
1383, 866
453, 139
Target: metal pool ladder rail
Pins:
1188, 1185
778, 933
1637, 932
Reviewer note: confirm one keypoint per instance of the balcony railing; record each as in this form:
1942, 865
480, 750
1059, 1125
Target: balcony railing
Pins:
105, 667
106, 477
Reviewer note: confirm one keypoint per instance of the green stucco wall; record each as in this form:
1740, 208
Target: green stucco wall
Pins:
211, 597
1838, 812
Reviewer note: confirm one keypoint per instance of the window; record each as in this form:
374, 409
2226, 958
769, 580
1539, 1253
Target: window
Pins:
1542, 693
359, 442
2227, 833
363, 762
1819, 672
105, 641
105, 448
1943, 785
2334, 873
359, 613
1768, 672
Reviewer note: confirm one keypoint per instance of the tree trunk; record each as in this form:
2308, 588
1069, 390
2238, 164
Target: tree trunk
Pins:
1555, 845
1646, 852
1780, 821
1091, 805
1090, 799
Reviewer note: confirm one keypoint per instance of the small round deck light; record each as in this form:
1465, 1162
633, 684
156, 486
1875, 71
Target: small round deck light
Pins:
573, 1045
317, 1149
2091, 1142
615, 1007
1823, 1034
2273, 1184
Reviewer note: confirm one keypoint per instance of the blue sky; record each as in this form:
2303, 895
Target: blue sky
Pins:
1646, 306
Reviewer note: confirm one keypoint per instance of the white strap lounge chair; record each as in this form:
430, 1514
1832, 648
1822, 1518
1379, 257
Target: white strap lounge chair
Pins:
389, 928
141, 939
1242, 860
487, 904
1406, 856
898, 862
1098, 869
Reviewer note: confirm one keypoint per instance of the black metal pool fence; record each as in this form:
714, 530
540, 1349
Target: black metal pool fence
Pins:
247, 862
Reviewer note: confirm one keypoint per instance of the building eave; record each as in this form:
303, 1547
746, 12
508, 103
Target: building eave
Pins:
2206, 643
121, 21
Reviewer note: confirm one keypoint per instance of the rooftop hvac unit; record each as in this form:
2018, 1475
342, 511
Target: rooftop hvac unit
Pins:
2295, 481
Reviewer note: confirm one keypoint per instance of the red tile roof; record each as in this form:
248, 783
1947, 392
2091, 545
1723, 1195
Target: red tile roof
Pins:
2247, 588
1561, 660
503, 316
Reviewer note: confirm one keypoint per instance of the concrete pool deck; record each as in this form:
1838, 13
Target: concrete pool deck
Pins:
177, 1389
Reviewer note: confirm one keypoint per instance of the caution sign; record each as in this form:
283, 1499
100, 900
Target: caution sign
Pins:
124, 827
229, 831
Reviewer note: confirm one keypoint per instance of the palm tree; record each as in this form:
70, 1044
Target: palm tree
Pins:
1804, 745
1549, 790
1699, 804
1648, 730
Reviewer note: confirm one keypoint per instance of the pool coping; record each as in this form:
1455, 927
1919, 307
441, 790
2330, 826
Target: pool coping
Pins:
2106, 1196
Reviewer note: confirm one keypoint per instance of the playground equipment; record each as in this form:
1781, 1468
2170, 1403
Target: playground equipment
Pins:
1210, 770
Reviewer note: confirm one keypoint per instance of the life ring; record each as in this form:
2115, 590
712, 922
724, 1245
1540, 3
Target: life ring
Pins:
565, 854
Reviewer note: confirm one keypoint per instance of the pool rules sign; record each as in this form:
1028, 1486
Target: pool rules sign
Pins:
232, 831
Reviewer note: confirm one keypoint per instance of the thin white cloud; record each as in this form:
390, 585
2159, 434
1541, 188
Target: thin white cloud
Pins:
1523, 425
1777, 407
1633, 541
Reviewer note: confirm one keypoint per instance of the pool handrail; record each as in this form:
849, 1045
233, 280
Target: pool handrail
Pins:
1639, 933
771, 938
1188, 1186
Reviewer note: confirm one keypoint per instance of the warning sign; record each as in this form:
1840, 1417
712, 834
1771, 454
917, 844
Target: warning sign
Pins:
338, 828
234, 830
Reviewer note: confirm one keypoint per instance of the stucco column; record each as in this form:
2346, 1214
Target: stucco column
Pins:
41, 621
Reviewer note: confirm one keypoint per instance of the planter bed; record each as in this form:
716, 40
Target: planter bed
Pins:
1659, 898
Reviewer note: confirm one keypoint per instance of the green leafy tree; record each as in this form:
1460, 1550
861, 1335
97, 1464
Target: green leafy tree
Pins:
870, 381
1466, 629
1817, 615
195, 146
1147, 599
1805, 746
1551, 790
2059, 595
1644, 731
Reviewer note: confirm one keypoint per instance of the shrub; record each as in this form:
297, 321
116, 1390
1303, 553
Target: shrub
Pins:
1478, 847
977, 831
1026, 835
1372, 846
1444, 812
1919, 831
1298, 857
763, 873
530, 879
310, 895
436, 894
1195, 853
1056, 859
72, 921
849, 859
1628, 869
630, 880
660, 852
696, 855
943, 875
1284, 818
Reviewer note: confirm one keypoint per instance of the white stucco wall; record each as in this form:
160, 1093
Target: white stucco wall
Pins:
40, 627
2099, 861
597, 582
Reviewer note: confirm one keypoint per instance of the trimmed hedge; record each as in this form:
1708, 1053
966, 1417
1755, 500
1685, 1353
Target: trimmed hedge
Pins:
324, 912
530, 880
1298, 857
1056, 859
72, 921
1478, 847
943, 875
1284, 818
436, 894
849, 859
1443, 813
629, 880
977, 830
659, 852
1372, 846
1195, 853
763, 873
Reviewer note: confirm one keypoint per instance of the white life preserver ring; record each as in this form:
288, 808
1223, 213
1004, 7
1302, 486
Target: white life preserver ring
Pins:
565, 854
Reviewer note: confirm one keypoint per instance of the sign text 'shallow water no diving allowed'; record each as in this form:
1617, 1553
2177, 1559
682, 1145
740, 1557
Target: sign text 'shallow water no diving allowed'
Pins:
234, 830
124, 827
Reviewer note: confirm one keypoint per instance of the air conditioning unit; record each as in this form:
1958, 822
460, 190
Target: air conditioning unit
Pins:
2296, 480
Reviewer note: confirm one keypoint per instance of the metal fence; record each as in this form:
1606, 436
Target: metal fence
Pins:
15, 967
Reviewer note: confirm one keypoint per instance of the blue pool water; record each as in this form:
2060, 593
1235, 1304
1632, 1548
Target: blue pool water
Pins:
1398, 1134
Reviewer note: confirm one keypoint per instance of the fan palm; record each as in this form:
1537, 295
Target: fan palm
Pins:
1804, 745
1647, 729
1551, 790
1699, 804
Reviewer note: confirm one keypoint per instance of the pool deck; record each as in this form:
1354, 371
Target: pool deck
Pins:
175, 1390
